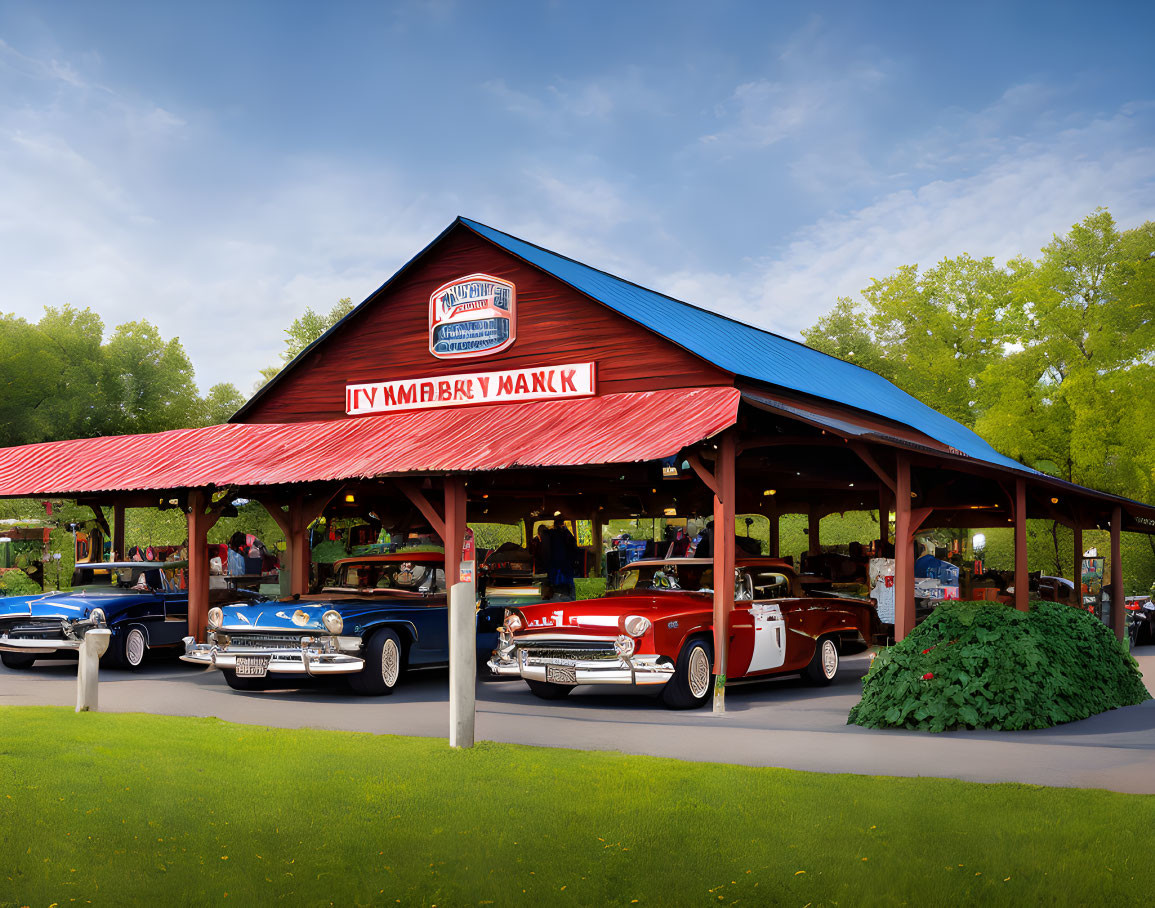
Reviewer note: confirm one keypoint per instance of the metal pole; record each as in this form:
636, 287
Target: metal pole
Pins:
460, 577
462, 664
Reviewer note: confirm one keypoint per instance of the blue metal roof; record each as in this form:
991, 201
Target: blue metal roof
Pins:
751, 352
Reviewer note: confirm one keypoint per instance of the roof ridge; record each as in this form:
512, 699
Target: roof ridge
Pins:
470, 222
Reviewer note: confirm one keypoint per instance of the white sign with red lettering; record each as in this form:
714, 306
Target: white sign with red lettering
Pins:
540, 383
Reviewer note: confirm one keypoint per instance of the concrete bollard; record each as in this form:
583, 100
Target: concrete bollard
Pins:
88, 671
462, 663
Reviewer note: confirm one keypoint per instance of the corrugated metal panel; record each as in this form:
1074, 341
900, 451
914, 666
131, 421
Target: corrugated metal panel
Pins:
615, 428
752, 352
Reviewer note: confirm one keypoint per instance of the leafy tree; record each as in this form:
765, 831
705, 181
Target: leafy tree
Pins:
75, 408
845, 332
303, 331
148, 381
222, 401
931, 333
28, 367
1076, 400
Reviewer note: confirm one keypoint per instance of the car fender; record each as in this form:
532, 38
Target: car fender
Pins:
406, 630
122, 629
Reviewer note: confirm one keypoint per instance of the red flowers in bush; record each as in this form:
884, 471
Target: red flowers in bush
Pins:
929, 676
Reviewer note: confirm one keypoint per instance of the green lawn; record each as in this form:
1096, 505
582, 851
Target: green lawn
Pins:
117, 809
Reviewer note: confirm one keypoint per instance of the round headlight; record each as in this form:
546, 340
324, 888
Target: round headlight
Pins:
97, 617
216, 616
636, 625
512, 621
624, 645
333, 621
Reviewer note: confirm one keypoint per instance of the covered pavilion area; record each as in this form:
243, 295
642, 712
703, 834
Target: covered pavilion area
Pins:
490, 379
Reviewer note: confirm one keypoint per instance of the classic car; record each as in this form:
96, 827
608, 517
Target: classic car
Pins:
656, 628
137, 600
377, 618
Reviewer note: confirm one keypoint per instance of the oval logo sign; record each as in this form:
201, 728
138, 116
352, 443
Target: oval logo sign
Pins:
472, 316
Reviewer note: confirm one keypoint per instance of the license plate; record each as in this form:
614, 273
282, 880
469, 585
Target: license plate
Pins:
560, 674
252, 666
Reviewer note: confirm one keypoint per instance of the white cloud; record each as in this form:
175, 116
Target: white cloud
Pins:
1011, 206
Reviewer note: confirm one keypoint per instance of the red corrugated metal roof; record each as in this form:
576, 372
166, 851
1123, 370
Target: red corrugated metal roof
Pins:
615, 428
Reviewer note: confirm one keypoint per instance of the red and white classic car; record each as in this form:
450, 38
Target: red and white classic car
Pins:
656, 627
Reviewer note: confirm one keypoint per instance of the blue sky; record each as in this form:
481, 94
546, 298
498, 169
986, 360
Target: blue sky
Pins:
218, 167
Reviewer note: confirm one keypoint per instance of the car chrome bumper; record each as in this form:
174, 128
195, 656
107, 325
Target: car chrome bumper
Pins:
632, 670
37, 644
305, 660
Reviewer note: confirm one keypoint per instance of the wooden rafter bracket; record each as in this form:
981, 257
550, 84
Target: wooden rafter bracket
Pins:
419, 501
101, 520
867, 458
704, 473
918, 516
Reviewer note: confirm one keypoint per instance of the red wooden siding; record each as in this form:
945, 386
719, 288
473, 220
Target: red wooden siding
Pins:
555, 324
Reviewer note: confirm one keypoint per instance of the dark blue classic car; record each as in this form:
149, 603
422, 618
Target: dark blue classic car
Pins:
138, 601
381, 615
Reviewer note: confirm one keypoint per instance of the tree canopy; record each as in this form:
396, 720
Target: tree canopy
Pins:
62, 380
1051, 360
303, 331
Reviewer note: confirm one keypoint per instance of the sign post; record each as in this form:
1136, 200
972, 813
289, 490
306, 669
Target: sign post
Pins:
463, 647
92, 647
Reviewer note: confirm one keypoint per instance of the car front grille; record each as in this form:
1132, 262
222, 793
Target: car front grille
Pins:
569, 653
35, 628
267, 641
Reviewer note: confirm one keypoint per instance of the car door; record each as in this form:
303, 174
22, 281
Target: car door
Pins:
769, 637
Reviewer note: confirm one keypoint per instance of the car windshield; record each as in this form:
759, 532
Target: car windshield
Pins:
667, 577
699, 577
390, 576
139, 576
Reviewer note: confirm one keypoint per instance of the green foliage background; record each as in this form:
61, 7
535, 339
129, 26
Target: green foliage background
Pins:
993, 666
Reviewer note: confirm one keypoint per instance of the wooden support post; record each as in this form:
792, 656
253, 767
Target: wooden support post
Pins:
903, 553
1021, 582
1117, 609
597, 541
454, 526
775, 545
1077, 570
119, 553
814, 520
200, 521
302, 511
884, 498
723, 563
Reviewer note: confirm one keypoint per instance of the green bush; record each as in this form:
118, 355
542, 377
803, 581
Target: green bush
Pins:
16, 583
987, 665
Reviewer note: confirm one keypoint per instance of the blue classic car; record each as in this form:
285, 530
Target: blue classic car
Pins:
380, 616
138, 601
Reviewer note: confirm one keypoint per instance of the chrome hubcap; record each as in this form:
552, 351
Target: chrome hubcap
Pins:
829, 658
699, 674
134, 647
390, 663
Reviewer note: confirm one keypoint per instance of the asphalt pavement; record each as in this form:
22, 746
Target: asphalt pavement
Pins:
774, 723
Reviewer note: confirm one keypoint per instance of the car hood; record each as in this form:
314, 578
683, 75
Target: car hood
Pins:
306, 616
603, 616
53, 605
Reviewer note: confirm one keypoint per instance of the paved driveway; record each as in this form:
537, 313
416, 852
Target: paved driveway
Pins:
775, 723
